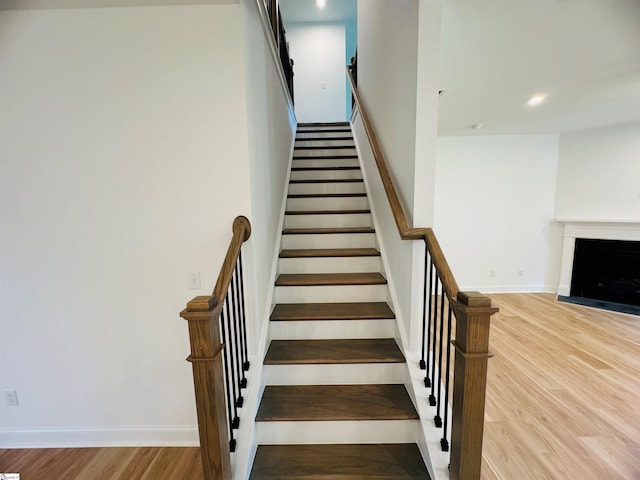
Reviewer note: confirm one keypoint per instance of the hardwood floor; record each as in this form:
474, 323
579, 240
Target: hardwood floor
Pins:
103, 463
563, 394
563, 403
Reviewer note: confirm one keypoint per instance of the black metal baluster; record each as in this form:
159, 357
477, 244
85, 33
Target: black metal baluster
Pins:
444, 442
234, 340
434, 299
232, 442
237, 325
243, 319
437, 419
427, 380
423, 364
236, 420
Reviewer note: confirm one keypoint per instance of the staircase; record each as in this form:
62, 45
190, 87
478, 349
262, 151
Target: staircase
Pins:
335, 403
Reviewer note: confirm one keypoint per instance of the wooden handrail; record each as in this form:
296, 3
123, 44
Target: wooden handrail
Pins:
472, 312
241, 233
406, 233
203, 315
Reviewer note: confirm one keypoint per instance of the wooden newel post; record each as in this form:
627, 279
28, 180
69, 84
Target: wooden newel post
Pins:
473, 315
203, 314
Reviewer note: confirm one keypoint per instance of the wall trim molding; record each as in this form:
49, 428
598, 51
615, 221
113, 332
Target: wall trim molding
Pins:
598, 229
101, 436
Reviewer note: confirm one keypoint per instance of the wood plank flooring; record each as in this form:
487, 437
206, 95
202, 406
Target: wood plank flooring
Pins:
563, 403
563, 394
103, 463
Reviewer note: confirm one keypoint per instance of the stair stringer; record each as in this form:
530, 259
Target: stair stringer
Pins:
427, 435
246, 436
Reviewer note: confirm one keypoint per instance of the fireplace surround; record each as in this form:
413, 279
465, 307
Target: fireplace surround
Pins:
601, 264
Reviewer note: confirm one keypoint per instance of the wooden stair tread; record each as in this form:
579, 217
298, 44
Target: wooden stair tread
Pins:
332, 311
314, 231
326, 279
303, 403
340, 351
326, 195
388, 461
329, 252
330, 180
325, 212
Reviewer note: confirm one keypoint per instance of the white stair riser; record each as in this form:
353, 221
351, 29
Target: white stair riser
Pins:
328, 221
327, 203
326, 174
328, 329
333, 293
328, 187
324, 162
338, 240
329, 265
324, 128
347, 143
345, 374
324, 152
363, 431
312, 135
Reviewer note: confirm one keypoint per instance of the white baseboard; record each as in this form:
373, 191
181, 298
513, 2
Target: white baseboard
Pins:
489, 289
126, 436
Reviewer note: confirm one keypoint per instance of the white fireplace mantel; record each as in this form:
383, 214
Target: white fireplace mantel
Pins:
590, 228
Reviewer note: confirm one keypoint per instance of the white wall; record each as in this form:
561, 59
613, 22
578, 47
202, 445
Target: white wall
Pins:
387, 53
318, 51
494, 203
123, 162
271, 131
387, 50
599, 174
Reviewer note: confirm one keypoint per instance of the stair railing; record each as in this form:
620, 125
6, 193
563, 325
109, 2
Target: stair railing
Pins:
219, 358
442, 300
280, 37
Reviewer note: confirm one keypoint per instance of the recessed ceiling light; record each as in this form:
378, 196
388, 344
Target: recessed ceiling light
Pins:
476, 126
536, 100
321, 3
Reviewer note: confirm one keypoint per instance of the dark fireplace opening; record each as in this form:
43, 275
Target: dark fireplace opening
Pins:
607, 272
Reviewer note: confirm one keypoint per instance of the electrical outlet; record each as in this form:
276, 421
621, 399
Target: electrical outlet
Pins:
11, 397
492, 273
194, 280
520, 273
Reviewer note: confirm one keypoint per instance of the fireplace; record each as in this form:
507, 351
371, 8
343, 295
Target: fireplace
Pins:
601, 266
607, 270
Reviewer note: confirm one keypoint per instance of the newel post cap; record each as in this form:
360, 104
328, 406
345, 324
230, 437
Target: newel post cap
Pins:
474, 299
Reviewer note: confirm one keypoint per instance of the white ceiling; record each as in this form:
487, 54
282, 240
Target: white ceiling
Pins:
583, 54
